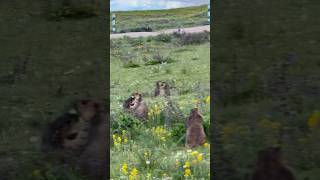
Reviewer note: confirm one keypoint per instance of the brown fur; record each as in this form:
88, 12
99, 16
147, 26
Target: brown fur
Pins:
79, 132
162, 89
80, 138
136, 105
195, 133
270, 166
93, 160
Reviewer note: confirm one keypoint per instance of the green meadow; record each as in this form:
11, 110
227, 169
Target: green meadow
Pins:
149, 150
127, 21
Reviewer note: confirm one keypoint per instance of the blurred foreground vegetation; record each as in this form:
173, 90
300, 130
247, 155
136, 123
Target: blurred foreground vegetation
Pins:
45, 63
266, 84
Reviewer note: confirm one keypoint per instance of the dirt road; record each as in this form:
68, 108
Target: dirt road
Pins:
167, 31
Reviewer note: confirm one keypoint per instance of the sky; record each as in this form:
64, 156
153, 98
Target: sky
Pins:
127, 5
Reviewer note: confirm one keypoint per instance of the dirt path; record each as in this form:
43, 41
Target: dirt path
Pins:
168, 31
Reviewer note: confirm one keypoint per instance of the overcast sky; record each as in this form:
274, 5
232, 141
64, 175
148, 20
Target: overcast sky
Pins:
126, 5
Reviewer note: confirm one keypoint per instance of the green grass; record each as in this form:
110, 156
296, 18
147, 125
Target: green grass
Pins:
161, 19
252, 40
61, 54
188, 73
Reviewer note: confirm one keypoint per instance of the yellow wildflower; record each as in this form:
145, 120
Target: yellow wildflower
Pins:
207, 100
186, 164
187, 172
206, 144
133, 173
200, 157
124, 168
115, 140
314, 119
194, 153
119, 139
160, 133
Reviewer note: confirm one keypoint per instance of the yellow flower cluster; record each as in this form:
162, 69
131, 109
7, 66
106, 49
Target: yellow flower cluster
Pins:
198, 101
187, 171
314, 119
133, 173
193, 156
154, 110
161, 133
198, 157
120, 139
124, 168
207, 145
207, 100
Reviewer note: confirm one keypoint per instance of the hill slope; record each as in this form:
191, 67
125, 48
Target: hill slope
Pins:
128, 21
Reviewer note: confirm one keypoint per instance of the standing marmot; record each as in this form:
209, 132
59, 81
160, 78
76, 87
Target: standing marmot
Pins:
195, 133
162, 89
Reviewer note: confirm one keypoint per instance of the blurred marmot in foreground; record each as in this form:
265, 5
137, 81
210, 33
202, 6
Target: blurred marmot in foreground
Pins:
195, 133
162, 89
79, 137
137, 106
270, 166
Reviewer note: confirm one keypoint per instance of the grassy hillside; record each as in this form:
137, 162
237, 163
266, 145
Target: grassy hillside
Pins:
44, 65
127, 21
266, 84
134, 67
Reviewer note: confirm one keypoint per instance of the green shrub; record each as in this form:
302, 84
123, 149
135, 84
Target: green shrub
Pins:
166, 38
123, 121
68, 12
159, 59
131, 64
192, 38
178, 133
129, 59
